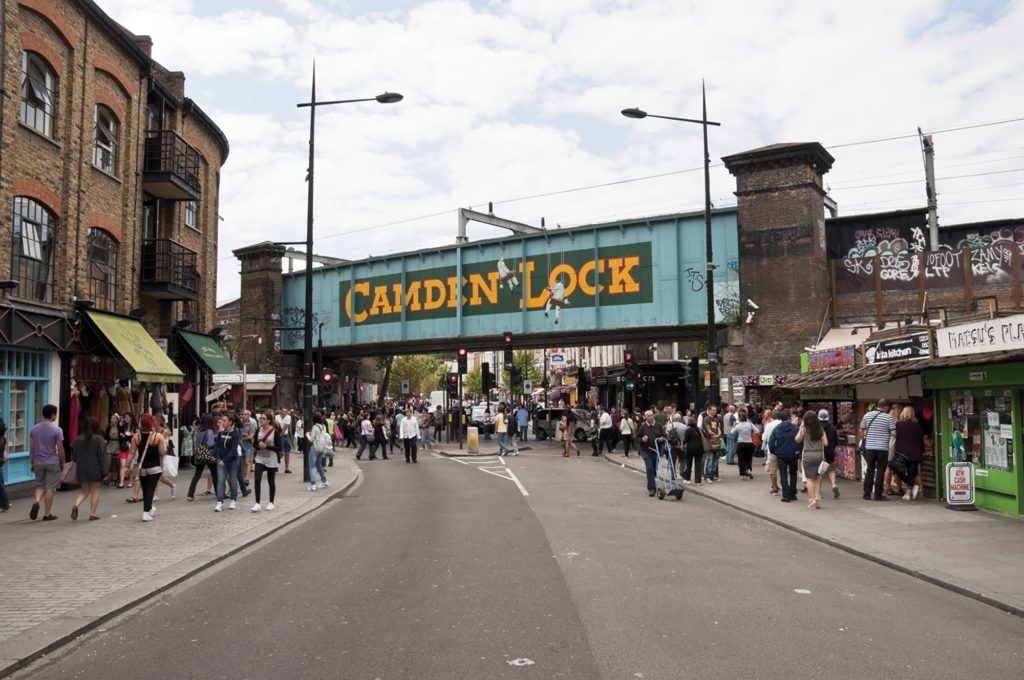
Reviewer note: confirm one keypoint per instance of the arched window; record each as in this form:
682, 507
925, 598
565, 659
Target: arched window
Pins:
105, 140
102, 268
38, 93
32, 236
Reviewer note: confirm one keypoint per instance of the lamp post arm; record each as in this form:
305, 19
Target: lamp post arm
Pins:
685, 120
335, 101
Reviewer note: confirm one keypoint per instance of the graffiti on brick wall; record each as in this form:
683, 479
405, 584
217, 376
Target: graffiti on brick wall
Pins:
294, 323
874, 241
902, 270
994, 263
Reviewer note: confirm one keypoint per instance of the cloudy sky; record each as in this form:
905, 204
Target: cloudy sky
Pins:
517, 102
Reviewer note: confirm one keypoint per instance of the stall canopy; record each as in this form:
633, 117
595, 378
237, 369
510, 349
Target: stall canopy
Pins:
207, 352
127, 338
875, 373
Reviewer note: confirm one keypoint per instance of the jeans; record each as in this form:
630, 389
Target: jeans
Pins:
199, 474
229, 476
148, 484
271, 474
316, 466
363, 441
242, 484
730, 448
787, 477
711, 464
651, 467
523, 427
502, 443
692, 466
410, 449
876, 459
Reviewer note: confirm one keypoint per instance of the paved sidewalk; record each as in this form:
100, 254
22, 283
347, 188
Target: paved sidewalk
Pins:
977, 554
61, 578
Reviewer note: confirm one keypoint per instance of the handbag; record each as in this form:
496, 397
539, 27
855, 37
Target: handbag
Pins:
823, 467
170, 464
900, 465
69, 473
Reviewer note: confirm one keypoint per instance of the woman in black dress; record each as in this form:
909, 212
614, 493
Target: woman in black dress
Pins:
90, 455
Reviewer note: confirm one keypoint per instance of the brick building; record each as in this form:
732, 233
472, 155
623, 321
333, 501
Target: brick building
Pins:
110, 175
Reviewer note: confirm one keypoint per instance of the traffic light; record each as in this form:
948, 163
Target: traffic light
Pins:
327, 377
453, 384
581, 380
692, 375
463, 356
629, 376
516, 376
485, 377
509, 360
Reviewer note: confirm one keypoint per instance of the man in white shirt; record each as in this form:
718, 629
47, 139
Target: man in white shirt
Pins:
604, 430
728, 422
409, 431
772, 462
365, 433
284, 427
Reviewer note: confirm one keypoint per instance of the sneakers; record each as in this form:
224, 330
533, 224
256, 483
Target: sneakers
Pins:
233, 505
906, 496
774, 492
326, 483
147, 517
915, 492
152, 511
835, 492
320, 485
270, 506
174, 491
34, 512
218, 507
311, 487
256, 508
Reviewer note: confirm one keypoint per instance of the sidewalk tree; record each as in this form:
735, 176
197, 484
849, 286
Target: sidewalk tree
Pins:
473, 381
526, 361
423, 371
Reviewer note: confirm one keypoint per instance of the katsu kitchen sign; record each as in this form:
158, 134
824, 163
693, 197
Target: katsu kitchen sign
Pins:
990, 335
899, 349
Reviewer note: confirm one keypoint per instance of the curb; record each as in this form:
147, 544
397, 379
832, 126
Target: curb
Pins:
934, 578
139, 593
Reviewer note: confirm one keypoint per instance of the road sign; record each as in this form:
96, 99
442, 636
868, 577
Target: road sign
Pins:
556, 359
405, 387
527, 386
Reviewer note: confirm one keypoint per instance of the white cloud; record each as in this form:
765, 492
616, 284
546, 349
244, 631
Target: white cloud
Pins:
511, 99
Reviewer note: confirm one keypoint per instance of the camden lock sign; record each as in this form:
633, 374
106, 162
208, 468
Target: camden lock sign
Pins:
620, 275
900, 349
991, 335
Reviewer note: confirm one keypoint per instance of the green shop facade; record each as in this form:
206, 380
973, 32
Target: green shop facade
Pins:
979, 401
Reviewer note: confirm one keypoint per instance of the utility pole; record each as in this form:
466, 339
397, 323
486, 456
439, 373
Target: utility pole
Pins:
928, 151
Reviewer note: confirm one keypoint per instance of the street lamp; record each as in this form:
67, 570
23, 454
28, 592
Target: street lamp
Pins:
307, 349
709, 252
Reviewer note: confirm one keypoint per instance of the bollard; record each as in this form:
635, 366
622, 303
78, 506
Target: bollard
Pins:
472, 440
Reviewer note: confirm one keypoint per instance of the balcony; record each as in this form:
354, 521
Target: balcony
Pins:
169, 271
170, 169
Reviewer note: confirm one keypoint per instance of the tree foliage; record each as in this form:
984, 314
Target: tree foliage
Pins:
423, 371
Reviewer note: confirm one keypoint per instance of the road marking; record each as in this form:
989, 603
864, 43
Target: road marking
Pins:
520, 662
501, 471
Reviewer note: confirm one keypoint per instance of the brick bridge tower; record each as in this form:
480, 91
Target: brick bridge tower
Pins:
784, 266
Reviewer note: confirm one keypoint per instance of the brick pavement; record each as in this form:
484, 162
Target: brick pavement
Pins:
63, 577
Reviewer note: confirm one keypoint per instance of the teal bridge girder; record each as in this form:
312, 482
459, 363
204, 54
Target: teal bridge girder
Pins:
630, 280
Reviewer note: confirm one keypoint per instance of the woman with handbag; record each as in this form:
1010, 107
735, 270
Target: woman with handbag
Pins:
265, 458
202, 456
626, 429
112, 447
908, 452
812, 436
744, 432
148, 448
90, 454
125, 432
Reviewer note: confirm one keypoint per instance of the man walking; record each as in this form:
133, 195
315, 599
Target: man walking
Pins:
728, 422
46, 458
787, 450
878, 431
711, 428
409, 431
284, 426
650, 435
523, 414
604, 431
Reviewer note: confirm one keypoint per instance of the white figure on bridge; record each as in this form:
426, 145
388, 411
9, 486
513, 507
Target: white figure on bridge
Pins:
506, 275
556, 298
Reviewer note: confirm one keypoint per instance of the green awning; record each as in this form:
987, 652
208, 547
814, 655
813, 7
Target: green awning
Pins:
137, 348
207, 351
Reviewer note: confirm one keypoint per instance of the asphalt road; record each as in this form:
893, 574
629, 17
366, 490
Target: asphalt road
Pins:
445, 569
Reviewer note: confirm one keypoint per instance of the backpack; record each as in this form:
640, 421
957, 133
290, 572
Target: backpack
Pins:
673, 437
321, 440
513, 426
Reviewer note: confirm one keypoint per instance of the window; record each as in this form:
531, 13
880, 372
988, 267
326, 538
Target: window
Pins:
104, 151
191, 210
32, 235
102, 268
38, 93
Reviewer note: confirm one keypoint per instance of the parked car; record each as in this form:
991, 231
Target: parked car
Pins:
545, 423
476, 417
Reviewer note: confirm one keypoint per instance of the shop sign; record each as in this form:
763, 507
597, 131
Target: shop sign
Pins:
900, 349
766, 380
839, 357
960, 484
990, 335
554, 359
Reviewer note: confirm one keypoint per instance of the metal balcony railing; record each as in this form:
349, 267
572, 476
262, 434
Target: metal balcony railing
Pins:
169, 270
171, 166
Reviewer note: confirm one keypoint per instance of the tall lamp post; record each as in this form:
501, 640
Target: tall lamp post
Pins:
709, 251
307, 349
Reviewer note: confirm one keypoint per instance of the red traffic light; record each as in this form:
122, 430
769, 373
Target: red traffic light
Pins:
627, 357
462, 351
508, 339
453, 378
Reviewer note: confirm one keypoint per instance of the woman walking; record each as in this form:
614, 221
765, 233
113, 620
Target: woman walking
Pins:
202, 456
814, 441
316, 460
744, 431
225, 452
693, 450
90, 455
910, 443
112, 446
626, 429
565, 435
148, 448
265, 457
380, 438
125, 432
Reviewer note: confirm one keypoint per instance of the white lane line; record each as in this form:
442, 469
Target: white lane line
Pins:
515, 480
457, 460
